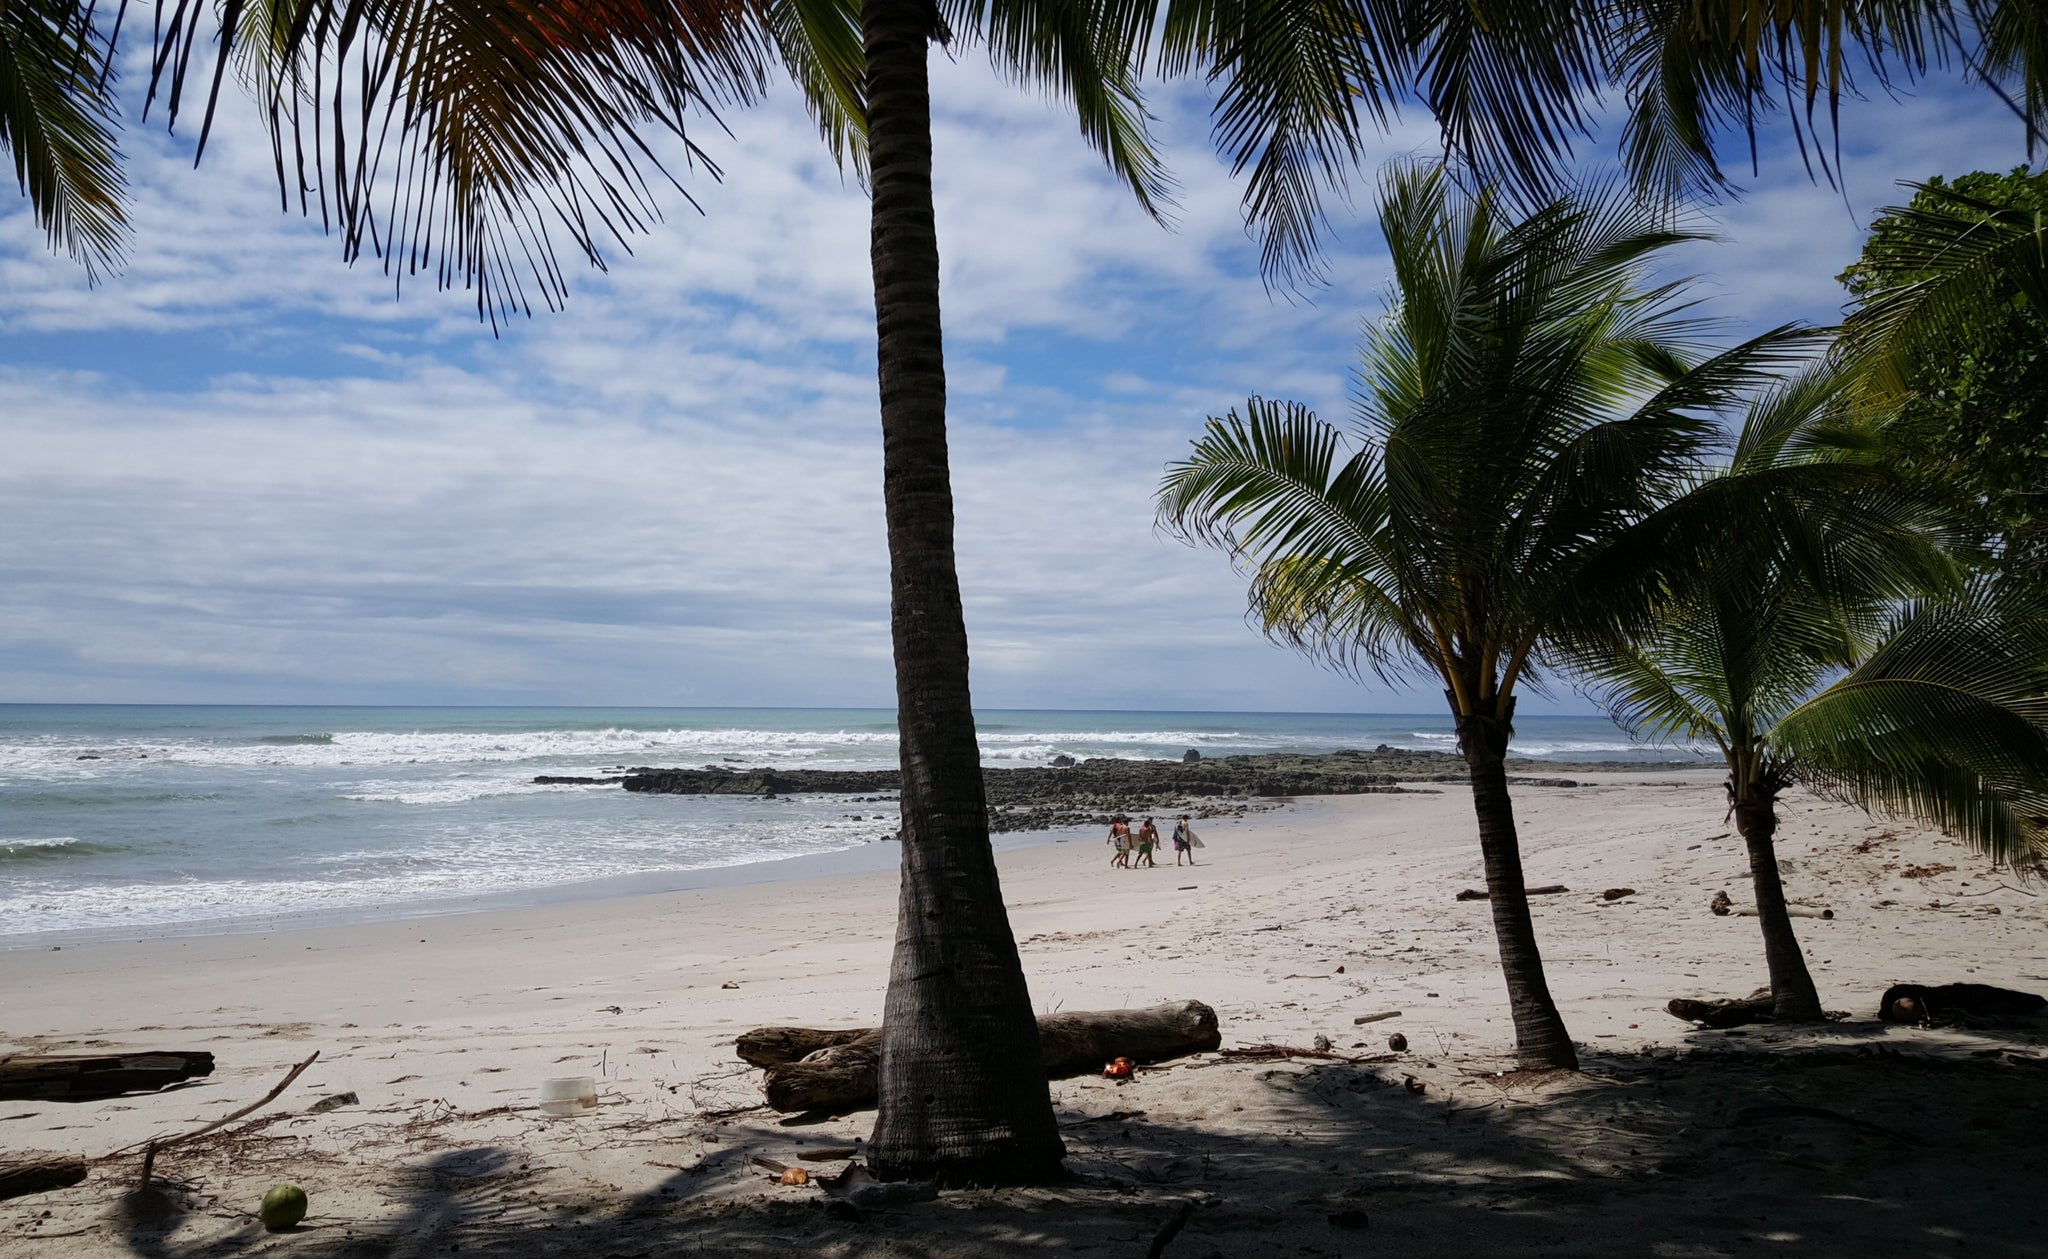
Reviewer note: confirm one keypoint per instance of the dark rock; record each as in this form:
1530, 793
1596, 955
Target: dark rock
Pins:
1062, 761
1190, 756
564, 780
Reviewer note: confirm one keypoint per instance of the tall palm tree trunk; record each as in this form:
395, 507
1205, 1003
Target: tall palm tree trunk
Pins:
963, 1096
1793, 996
1540, 1036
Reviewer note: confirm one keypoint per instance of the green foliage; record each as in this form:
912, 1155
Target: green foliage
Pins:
58, 122
1837, 646
1948, 298
1529, 408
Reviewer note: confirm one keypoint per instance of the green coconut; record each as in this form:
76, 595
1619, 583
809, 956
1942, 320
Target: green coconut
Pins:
283, 1206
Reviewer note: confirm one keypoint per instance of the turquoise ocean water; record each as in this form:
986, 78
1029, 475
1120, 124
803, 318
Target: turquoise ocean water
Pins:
148, 818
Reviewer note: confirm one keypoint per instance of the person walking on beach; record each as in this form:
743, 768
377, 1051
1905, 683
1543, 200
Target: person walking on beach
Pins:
1184, 841
1148, 839
1120, 840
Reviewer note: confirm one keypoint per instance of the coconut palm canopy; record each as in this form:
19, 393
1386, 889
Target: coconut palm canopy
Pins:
542, 135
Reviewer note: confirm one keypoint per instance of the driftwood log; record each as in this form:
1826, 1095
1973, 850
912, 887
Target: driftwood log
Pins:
812, 1069
82, 1077
17, 1179
1757, 1007
1957, 1003
1548, 889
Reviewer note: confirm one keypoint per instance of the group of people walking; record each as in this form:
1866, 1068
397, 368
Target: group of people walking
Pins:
1131, 850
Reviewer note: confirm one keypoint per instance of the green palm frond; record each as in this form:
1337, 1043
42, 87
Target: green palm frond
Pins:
1275, 489
1085, 53
58, 120
1968, 249
457, 138
1947, 722
1527, 401
1301, 85
819, 41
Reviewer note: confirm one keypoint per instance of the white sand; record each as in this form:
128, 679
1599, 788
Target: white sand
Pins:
437, 1024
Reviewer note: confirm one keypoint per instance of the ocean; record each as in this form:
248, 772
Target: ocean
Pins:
157, 819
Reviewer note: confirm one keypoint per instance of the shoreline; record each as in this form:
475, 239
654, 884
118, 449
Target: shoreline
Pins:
1029, 806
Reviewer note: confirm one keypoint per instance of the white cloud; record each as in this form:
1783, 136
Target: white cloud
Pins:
242, 471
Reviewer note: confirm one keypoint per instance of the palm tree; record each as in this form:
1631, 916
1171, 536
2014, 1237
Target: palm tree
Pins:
489, 110
1814, 535
1526, 407
1944, 721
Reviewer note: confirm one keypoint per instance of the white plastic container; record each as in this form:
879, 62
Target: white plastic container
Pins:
568, 1095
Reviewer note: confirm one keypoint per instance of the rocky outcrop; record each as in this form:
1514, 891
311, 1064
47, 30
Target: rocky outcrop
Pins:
1095, 790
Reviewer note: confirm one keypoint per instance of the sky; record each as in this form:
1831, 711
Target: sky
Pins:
243, 472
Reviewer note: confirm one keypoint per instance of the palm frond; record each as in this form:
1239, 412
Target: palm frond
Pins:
1968, 249
820, 44
1274, 488
1947, 722
1083, 52
454, 138
1300, 85
58, 120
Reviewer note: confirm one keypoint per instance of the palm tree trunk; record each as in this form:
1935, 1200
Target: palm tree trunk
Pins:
1793, 997
962, 1095
1540, 1036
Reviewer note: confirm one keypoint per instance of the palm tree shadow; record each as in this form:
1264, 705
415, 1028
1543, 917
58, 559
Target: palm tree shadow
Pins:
1837, 1151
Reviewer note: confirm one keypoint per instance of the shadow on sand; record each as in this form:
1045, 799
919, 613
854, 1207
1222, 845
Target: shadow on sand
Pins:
1732, 1149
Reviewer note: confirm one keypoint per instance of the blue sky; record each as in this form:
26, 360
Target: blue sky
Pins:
242, 472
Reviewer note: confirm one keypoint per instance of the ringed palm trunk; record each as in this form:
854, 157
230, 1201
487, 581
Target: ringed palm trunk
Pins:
1540, 1036
963, 1097
1793, 996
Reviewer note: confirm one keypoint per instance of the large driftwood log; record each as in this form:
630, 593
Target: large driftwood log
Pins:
82, 1077
1723, 1012
1957, 1003
774, 1046
839, 1075
17, 1179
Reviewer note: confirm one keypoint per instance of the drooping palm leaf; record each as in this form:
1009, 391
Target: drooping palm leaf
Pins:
58, 121
1947, 722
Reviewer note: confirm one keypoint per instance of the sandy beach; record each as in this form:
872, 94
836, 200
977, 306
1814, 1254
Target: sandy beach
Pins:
1853, 1138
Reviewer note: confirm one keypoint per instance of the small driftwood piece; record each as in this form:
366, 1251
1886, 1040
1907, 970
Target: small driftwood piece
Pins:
1169, 1230
1548, 889
840, 1075
1726, 1011
1381, 1017
17, 1179
84, 1077
1271, 1053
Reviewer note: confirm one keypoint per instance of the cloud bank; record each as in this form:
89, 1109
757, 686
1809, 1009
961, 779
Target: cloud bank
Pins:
241, 472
